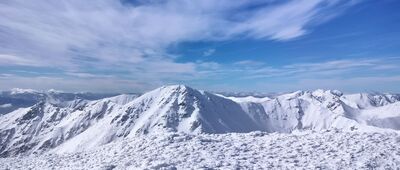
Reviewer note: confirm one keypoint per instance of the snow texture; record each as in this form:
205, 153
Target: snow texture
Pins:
141, 131
255, 150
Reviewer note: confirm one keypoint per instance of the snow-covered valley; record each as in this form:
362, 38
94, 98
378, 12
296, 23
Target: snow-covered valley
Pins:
181, 127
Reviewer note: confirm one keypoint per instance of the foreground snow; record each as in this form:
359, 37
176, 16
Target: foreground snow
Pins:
255, 150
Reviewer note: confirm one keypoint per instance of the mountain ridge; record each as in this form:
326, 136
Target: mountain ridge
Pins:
84, 124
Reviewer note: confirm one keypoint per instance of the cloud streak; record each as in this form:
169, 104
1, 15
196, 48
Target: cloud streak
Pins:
129, 41
69, 31
325, 74
316, 69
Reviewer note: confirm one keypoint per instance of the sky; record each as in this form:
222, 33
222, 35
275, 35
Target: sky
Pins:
243, 45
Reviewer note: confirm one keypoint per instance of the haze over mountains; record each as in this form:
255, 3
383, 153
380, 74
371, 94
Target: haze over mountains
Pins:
18, 98
59, 122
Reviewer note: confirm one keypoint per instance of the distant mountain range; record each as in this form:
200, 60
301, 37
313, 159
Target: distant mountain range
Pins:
19, 98
34, 122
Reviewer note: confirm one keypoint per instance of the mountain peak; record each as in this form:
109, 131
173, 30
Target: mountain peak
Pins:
176, 86
179, 88
329, 92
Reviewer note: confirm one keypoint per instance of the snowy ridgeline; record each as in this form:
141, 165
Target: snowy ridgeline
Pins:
67, 126
254, 150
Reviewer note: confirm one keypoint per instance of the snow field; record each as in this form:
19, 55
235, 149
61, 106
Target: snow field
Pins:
255, 150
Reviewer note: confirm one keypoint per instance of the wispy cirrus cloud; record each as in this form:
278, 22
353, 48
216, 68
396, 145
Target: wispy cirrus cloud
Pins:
330, 74
6, 59
254, 69
350, 75
129, 41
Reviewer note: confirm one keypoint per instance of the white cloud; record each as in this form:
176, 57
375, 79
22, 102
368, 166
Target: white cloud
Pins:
6, 105
323, 68
92, 39
6, 75
6, 59
355, 84
282, 23
106, 31
331, 74
92, 84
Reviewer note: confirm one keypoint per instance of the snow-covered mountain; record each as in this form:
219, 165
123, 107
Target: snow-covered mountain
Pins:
21, 98
320, 109
82, 124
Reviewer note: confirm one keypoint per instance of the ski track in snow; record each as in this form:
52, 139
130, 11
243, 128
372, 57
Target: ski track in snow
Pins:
255, 150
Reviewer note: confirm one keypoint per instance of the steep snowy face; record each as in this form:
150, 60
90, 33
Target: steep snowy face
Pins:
183, 109
387, 116
167, 109
46, 125
297, 110
324, 109
365, 100
82, 124
26, 129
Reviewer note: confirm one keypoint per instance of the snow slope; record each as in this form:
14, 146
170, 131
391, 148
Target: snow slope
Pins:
87, 124
166, 109
248, 99
80, 125
46, 125
318, 110
255, 150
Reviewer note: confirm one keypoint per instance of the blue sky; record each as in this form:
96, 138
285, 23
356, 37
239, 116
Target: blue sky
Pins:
244, 45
